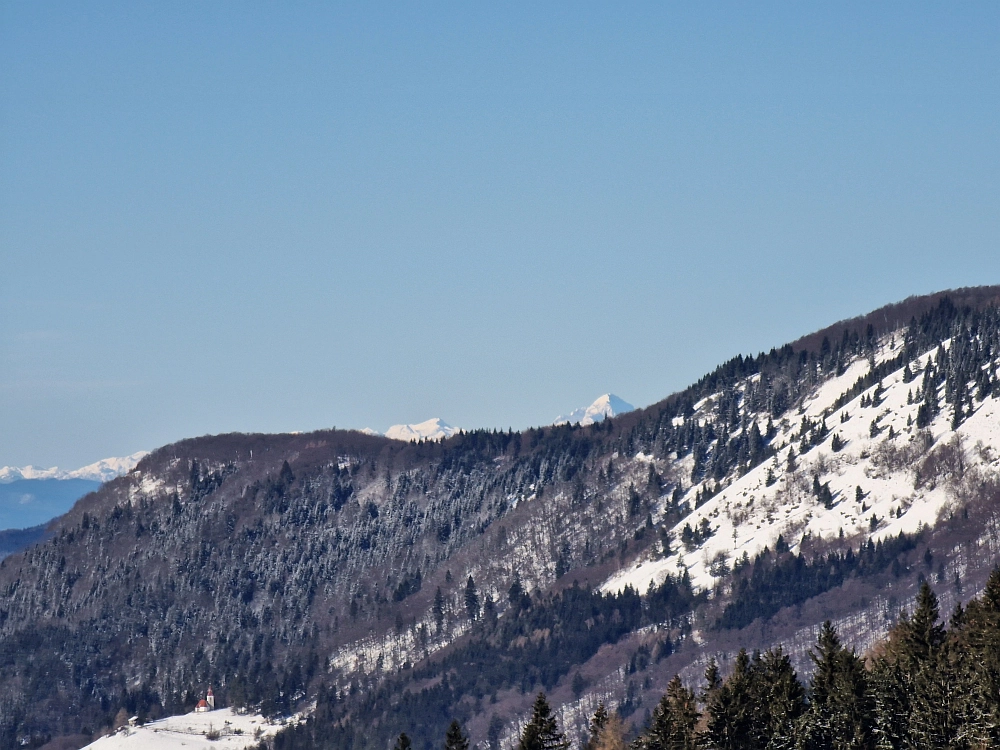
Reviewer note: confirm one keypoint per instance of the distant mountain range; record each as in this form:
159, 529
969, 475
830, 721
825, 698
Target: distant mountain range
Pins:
432, 429
30, 496
608, 405
99, 471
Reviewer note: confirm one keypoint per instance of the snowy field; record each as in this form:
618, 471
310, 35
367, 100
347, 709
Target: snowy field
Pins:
192, 731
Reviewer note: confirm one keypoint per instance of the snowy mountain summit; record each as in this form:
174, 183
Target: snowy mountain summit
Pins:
432, 429
100, 471
608, 405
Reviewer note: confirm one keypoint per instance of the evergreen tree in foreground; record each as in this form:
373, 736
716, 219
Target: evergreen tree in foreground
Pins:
597, 724
672, 726
542, 732
454, 739
841, 710
612, 735
758, 707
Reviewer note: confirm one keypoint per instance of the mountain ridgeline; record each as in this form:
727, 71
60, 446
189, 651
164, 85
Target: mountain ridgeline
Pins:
393, 587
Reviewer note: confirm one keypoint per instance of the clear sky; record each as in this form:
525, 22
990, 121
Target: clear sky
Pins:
285, 216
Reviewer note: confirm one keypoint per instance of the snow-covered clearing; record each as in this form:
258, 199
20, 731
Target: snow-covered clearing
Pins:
223, 729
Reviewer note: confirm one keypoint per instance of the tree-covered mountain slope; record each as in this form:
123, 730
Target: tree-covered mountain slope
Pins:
399, 585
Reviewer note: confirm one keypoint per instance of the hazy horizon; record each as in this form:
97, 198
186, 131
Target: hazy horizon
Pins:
270, 218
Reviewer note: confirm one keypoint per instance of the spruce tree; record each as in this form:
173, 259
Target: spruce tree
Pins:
891, 702
975, 643
841, 712
542, 732
612, 735
597, 724
438, 610
729, 710
921, 635
712, 680
471, 599
780, 700
913, 682
684, 713
454, 739
672, 725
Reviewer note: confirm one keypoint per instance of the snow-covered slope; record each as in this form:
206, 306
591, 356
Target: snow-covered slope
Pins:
880, 450
99, 471
432, 429
223, 729
608, 405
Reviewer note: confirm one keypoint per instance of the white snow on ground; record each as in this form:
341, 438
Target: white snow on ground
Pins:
100, 471
432, 429
193, 732
748, 514
608, 405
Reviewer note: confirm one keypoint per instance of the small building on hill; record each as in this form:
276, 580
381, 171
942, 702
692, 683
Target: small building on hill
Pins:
207, 703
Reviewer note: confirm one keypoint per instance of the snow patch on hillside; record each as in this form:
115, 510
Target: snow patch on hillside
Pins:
777, 499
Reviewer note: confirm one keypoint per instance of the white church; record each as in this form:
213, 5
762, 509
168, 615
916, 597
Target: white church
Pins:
207, 703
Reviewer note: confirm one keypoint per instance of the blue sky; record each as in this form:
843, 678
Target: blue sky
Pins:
279, 216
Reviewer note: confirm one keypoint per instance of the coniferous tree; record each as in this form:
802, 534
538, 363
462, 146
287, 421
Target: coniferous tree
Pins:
438, 610
929, 408
841, 711
729, 710
911, 682
975, 647
454, 739
612, 735
597, 724
471, 599
403, 742
672, 726
712, 680
921, 635
933, 718
542, 732
781, 700
758, 707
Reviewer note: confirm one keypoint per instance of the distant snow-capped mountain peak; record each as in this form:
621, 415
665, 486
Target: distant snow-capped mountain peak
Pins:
608, 405
432, 429
100, 471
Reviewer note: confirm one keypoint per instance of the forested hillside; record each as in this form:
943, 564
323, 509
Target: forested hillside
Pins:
398, 586
925, 686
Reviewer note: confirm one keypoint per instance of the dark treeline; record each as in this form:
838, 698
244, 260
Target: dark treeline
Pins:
774, 581
537, 642
925, 686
